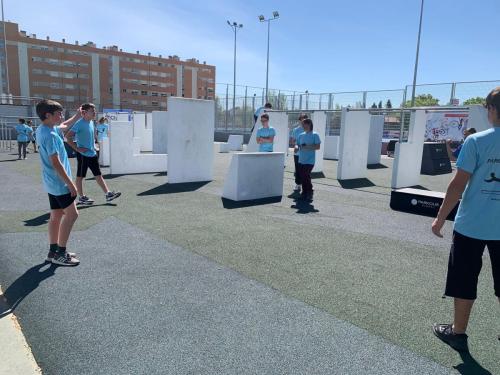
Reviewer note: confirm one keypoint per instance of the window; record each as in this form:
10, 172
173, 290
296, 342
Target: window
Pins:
55, 74
70, 98
55, 85
163, 104
164, 94
124, 90
69, 86
37, 71
154, 94
155, 104
134, 92
145, 93
135, 102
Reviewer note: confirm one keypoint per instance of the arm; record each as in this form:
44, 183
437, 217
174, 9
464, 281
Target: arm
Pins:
267, 139
54, 159
71, 142
312, 147
66, 125
453, 195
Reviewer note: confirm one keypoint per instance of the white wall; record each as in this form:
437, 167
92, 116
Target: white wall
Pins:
375, 140
123, 160
254, 175
190, 139
408, 156
331, 146
279, 121
319, 120
478, 118
353, 150
104, 152
235, 142
159, 121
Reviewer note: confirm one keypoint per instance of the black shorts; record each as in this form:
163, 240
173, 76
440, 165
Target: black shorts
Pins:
464, 266
59, 202
86, 162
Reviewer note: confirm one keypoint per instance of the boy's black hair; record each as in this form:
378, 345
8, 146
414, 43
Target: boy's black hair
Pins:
472, 130
309, 122
303, 116
22, 121
493, 100
87, 106
47, 106
268, 105
265, 115
101, 120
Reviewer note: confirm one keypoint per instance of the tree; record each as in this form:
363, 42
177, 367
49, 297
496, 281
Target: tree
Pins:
476, 100
423, 100
374, 105
380, 104
388, 104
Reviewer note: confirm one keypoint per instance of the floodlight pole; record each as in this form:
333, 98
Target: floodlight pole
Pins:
262, 19
416, 58
235, 26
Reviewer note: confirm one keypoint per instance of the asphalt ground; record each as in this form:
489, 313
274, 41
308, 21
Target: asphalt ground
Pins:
176, 280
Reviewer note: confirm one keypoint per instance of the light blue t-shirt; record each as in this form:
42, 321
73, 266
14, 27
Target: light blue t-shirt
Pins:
264, 133
298, 130
102, 131
308, 156
85, 137
478, 215
23, 132
50, 142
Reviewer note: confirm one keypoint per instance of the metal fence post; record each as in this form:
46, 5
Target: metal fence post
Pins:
320, 99
227, 105
245, 110
453, 89
278, 104
364, 99
307, 101
330, 101
293, 101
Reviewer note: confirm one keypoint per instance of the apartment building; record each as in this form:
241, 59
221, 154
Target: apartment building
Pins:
107, 76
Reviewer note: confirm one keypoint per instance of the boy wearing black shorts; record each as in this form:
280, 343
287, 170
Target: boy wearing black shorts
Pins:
56, 176
86, 154
477, 223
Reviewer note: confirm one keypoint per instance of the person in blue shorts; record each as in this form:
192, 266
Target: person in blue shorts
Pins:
307, 144
477, 223
23, 137
86, 154
56, 177
265, 135
294, 134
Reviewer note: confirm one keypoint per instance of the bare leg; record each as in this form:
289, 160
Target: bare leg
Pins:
79, 185
463, 308
100, 181
69, 218
54, 222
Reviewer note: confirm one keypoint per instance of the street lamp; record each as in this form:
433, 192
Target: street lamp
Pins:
416, 58
276, 15
235, 26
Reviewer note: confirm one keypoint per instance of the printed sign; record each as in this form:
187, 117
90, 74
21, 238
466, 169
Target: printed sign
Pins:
441, 126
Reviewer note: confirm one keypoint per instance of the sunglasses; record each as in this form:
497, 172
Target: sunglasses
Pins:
264, 120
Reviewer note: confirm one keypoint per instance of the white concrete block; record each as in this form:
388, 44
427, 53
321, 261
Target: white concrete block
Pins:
136, 145
224, 147
190, 139
319, 122
104, 152
331, 147
147, 140
279, 121
159, 121
408, 155
139, 120
375, 140
478, 118
254, 175
353, 150
123, 160
235, 142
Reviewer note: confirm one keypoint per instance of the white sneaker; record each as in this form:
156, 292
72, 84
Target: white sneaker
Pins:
296, 188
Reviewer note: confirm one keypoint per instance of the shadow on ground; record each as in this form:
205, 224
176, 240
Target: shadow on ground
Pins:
174, 188
356, 183
376, 166
230, 204
37, 221
470, 366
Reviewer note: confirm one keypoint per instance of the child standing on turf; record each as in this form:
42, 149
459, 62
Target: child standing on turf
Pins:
265, 135
86, 154
56, 176
23, 137
307, 144
477, 223
294, 134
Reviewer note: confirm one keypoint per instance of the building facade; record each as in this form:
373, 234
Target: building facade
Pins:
108, 77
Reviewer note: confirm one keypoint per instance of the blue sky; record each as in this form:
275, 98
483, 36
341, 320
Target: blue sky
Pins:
321, 46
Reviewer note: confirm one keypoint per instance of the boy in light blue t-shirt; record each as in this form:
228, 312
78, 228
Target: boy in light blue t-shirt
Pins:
265, 135
23, 137
294, 135
477, 223
56, 176
307, 144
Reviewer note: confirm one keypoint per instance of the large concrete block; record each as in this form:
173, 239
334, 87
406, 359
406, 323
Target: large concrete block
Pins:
375, 140
478, 118
235, 142
190, 139
279, 121
254, 175
408, 155
331, 147
159, 121
123, 159
353, 150
319, 121
224, 147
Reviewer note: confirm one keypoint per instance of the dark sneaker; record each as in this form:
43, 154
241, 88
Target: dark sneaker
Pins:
52, 254
64, 259
306, 197
110, 195
457, 341
84, 200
